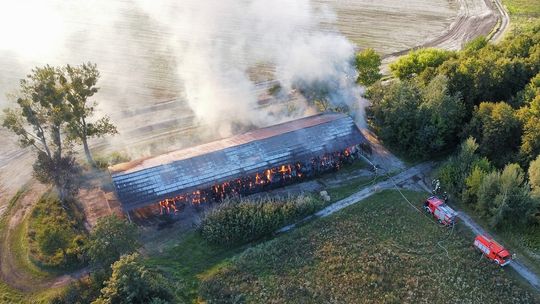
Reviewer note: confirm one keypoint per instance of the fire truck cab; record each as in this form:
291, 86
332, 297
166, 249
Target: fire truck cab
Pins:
492, 250
442, 212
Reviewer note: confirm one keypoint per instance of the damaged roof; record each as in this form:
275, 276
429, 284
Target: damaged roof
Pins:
146, 181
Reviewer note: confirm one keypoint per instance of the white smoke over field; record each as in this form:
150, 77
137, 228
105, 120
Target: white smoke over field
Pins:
218, 42
210, 54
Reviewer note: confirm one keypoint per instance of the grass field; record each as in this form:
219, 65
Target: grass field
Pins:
524, 241
8, 294
378, 251
526, 8
523, 12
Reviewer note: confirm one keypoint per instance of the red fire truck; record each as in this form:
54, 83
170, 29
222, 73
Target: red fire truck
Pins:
492, 250
442, 212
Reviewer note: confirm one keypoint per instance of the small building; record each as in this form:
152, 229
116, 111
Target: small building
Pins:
256, 161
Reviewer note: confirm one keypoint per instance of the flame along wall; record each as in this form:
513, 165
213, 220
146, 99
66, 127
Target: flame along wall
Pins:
263, 181
252, 162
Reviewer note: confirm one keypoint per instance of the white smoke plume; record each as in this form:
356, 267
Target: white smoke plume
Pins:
211, 55
217, 42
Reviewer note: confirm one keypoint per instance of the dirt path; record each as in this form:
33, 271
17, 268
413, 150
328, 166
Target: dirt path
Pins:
400, 179
520, 268
10, 270
380, 156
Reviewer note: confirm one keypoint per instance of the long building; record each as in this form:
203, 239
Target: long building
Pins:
243, 164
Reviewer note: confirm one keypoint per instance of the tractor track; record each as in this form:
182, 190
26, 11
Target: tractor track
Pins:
10, 271
475, 18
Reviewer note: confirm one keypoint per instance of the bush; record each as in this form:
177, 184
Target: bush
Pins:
82, 291
417, 61
236, 222
111, 238
56, 235
132, 282
103, 162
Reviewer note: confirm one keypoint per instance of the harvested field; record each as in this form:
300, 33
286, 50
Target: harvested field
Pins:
366, 252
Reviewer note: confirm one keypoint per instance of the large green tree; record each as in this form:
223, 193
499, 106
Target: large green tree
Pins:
418, 120
39, 121
415, 62
53, 238
530, 141
505, 197
79, 83
497, 130
368, 64
132, 282
534, 176
111, 238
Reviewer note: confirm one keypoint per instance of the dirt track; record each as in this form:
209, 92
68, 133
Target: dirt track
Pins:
475, 18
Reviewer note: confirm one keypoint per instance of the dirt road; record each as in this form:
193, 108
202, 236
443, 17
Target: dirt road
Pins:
400, 179
519, 267
11, 271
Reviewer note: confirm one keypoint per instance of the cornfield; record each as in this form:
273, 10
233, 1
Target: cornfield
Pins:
242, 221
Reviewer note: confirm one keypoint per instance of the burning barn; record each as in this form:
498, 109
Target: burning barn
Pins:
240, 165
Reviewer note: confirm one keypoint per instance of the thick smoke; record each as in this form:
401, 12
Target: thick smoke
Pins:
216, 56
217, 43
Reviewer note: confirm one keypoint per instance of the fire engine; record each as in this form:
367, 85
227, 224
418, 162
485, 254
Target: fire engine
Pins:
492, 250
442, 212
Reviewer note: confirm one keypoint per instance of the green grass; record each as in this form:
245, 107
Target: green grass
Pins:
524, 241
378, 251
523, 13
526, 8
7, 293
20, 248
341, 192
184, 263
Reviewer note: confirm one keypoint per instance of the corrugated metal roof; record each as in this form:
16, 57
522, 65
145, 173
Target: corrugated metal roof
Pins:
146, 181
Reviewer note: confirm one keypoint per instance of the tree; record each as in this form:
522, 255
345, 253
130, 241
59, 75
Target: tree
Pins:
458, 167
368, 64
530, 141
498, 131
79, 83
111, 238
416, 119
417, 61
505, 197
440, 117
472, 184
131, 283
534, 176
52, 239
39, 121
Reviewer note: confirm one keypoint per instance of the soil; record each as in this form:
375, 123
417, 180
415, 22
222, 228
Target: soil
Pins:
475, 18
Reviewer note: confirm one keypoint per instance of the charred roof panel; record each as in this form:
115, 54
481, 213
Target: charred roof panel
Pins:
146, 181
